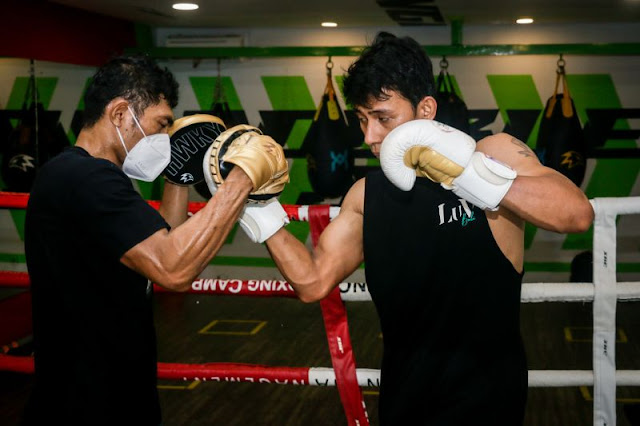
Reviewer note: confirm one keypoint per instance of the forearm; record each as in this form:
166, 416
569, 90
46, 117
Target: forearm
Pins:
175, 200
550, 201
298, 266
173, 259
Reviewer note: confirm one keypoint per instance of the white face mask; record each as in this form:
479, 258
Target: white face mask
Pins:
149, 157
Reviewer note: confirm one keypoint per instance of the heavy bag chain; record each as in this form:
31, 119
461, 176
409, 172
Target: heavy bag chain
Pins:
567, 110
218, 93
332, 103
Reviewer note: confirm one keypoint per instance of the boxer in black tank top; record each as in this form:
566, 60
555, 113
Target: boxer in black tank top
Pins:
449, 309
444, 269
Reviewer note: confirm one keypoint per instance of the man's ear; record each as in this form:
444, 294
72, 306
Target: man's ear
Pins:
427, 108
115, 111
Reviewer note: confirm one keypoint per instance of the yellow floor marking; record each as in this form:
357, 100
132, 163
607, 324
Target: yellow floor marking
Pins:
571, 332
259, 325
587, 396
191, 386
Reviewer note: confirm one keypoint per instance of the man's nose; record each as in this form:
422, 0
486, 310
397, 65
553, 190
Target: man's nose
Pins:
372, 134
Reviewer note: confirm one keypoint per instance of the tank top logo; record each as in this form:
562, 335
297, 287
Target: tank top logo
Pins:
461, 213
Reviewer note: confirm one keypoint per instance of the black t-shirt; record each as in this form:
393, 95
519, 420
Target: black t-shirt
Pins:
449, 308
94, 338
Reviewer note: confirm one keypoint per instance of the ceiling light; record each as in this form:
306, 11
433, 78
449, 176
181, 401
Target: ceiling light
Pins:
524, 21
185, 6
329, 24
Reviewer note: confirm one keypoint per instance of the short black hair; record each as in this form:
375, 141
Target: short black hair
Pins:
390, 63
136, 78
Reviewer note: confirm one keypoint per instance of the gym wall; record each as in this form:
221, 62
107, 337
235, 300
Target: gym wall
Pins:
503, 93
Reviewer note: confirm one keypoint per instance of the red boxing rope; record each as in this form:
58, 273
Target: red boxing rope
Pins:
335, 321
234, 372
209, 372
19, 200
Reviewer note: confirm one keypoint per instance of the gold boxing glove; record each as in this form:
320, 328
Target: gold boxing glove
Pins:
258, 155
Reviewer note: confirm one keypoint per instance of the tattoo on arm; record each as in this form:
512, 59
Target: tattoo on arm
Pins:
524, 148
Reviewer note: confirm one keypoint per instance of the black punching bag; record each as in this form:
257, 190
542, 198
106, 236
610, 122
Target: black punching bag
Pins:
561, 143
36, 138
451, 108
327, 146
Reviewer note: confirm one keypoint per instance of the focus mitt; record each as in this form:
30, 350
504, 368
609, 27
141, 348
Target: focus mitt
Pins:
258, 155
190, 137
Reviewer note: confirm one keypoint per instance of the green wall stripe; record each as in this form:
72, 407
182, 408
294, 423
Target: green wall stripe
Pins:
45, 85
204, 89
288, 93
611, 177
291, 93
517, 92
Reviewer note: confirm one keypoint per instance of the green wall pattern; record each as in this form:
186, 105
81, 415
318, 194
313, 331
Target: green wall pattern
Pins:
292, 93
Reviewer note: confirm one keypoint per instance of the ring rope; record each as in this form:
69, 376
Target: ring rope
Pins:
319, 376
358, 292
19, 200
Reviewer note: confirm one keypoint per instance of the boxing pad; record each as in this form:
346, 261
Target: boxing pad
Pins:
328, 148
258, 155
561, 142
445, 155
451, 108
190, 138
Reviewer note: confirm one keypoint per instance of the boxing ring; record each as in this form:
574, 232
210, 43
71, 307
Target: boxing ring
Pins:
604, 293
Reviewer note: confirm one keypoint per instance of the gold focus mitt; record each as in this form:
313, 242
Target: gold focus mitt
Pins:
258, 155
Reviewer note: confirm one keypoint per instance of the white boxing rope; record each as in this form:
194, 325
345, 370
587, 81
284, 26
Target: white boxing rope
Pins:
571, 378
322, 376
531, 292
574, 292
604, 304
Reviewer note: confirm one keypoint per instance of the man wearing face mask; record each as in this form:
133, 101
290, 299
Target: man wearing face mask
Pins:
94, 246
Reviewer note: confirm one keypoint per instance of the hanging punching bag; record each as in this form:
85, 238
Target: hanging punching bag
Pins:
561, 144
36, 138
327, 146
451, 108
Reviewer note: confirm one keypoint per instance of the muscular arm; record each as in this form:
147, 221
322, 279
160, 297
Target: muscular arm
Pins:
175, 200
173, 259
338, 253
539, 195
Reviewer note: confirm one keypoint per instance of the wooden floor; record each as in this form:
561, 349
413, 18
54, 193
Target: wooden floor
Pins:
293, 335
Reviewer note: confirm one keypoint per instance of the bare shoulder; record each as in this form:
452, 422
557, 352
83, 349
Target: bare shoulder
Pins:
354, 200
510, 150
506, 143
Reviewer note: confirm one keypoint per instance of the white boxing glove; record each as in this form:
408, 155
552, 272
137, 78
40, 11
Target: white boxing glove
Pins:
445, 155
261, 221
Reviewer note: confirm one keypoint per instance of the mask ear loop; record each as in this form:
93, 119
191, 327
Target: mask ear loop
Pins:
122, 141
136, 120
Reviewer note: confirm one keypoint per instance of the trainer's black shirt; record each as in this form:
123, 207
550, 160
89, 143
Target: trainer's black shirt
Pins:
449, 308
94, 337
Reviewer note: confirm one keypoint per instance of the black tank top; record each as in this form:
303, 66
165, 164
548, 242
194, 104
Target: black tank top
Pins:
449, 308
